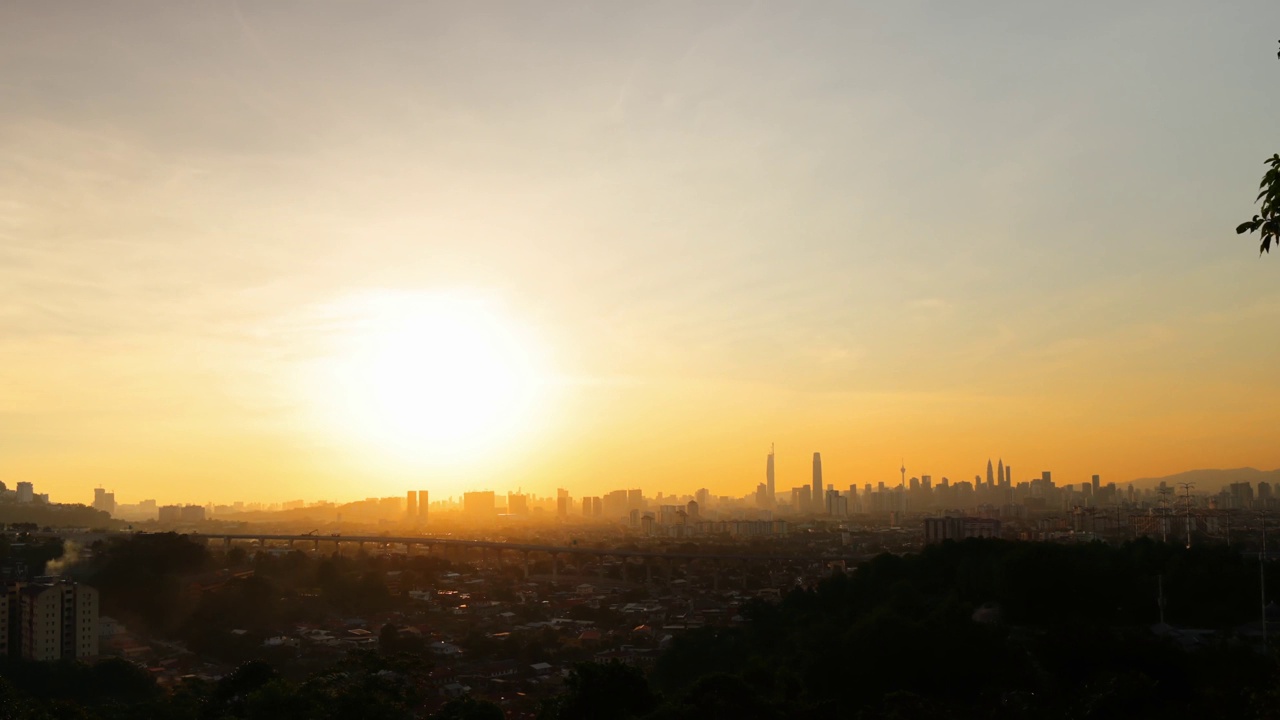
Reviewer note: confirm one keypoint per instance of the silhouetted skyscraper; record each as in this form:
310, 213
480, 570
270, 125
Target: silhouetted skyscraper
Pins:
411, 506
1000, 473
422, 507
817, 477
517, 504
991, 473
768, 475
104, 501
835, 504
479, 504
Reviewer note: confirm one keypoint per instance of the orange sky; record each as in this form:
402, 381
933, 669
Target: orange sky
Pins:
929, 233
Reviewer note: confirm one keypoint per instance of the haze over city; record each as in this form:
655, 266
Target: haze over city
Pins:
250, 251
671, 360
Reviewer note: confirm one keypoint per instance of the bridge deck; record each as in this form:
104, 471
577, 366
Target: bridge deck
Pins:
516, 547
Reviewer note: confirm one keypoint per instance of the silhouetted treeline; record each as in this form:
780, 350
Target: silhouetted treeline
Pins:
988, 629
26, 556
1047, 584
363, 686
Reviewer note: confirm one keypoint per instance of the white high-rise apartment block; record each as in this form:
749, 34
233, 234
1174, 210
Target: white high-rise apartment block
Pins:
54, 621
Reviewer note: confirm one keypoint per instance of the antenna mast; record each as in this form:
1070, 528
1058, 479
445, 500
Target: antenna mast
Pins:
1163, 507
1186, 499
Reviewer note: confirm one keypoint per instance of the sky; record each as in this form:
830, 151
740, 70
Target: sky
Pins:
928, 233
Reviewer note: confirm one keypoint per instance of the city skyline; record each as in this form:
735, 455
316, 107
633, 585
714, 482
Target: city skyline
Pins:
997, 496
106, 497
583, 245
424, 359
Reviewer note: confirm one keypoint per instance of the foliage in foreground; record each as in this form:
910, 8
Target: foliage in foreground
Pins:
1267, 222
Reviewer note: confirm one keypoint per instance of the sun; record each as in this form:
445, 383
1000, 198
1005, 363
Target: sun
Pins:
435, 377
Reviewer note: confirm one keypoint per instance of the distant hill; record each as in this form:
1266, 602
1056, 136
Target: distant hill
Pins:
1211, 481
55, 515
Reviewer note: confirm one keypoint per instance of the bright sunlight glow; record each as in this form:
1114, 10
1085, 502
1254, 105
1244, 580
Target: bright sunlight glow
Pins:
435, 377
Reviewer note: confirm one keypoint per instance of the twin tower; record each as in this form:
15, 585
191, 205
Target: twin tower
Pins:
1000, 477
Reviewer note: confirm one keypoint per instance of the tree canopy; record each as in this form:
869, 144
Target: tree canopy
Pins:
1267, 222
